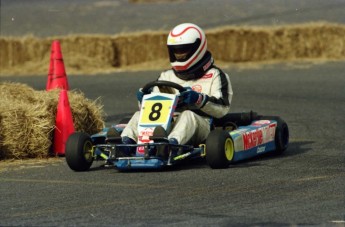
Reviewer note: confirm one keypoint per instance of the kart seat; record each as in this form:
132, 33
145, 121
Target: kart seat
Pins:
234, 120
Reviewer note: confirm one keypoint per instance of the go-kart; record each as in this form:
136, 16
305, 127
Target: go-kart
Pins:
234, 137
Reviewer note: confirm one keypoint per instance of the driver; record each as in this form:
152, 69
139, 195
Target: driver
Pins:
209, 89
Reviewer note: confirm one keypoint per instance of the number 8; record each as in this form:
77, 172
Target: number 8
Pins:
155, 111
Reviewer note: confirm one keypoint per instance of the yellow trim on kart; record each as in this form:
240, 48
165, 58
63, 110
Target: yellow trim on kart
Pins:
182, 156
229, 149
88, 150
203, 147
104, 156
202, 154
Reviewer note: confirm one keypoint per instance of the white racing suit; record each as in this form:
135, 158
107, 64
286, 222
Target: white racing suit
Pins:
193, 126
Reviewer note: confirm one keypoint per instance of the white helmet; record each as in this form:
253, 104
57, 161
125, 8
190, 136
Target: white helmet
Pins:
187, 45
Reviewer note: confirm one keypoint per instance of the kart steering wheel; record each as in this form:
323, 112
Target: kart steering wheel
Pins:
160, 83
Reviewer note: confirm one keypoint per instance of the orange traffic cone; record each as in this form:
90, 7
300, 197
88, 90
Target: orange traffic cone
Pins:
51, 68
63, 124
57, 75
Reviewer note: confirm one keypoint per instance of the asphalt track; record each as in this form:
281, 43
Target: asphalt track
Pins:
51, 18
304, 186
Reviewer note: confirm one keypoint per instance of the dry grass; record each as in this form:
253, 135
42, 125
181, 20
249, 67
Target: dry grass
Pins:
90, 54
27, 119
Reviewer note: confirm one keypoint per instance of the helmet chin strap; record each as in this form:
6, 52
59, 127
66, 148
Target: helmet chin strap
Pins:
198, 70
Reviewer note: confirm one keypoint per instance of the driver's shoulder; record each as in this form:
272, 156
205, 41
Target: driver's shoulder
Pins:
215, 71
167, 74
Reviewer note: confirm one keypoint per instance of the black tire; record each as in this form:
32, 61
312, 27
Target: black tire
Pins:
219, 149
281, 134
78, 152
282, 138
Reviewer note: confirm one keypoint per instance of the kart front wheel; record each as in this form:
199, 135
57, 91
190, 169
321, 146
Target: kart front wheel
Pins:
219, 149
79, 151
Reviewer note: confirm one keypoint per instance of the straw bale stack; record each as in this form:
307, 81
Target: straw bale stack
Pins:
90, 54
139, 47
254, 44
27, 119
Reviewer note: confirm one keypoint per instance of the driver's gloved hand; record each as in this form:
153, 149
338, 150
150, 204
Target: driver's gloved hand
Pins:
140, 95
191, 97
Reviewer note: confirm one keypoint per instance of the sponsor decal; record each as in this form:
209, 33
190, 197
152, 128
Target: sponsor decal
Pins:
261, 149
144, 135
207, 65
198, 102
238, 133
197, 88
261, 122
207, 76
140, 150
259, 136
252, 139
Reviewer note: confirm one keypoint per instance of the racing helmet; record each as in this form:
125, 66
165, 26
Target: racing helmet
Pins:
187, 45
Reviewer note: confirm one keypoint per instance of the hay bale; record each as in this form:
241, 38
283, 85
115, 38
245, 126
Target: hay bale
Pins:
290, 42
89, 54
17, 92
25, 123
32, 54
139, 47
86, 114
27, 119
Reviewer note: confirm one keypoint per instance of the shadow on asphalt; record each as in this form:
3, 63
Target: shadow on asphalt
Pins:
295, 148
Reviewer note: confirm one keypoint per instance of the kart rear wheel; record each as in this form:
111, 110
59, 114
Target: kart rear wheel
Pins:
79, 151
281, 134
219, 149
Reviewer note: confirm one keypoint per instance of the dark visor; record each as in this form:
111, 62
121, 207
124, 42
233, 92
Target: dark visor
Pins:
181, 53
